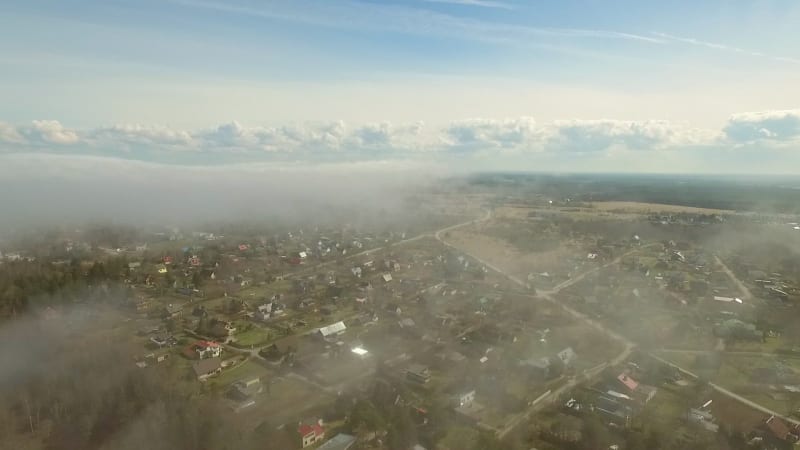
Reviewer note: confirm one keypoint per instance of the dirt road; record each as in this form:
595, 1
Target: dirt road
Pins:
746, 294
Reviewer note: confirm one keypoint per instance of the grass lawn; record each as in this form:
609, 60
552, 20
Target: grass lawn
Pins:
770, 346
667, 408
245, 370
255, 336
733, 374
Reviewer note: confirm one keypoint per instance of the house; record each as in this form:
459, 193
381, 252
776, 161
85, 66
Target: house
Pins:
567, 356
645, 393
539, 367
172, 311
152, 358
418, 373
167, 260
245, 390
264, 312
628, 382
207, 368
778, 429
163, 341
703, 419
467, 398
617, 412
406, 323
641, 393
339, 442
334, 329
310, 434
280, 350
356, 271
162, 268
387, 277
204, 350
567, 428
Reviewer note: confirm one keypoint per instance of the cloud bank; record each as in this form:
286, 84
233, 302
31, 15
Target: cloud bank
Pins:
764, 126
337, 141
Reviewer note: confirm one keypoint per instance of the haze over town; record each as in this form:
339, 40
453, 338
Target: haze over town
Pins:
399, 224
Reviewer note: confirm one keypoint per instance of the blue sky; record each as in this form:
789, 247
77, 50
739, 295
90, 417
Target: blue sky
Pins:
568, 85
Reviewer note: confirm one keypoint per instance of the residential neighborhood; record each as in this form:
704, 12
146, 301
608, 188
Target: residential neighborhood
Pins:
502, 324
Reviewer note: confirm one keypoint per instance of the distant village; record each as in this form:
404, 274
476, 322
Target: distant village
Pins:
633, 329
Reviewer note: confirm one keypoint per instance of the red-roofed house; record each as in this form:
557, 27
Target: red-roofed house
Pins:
243, 247
204, 349
310, 434
628, 382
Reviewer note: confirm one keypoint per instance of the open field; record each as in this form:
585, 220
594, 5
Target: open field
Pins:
639, 207
242, 371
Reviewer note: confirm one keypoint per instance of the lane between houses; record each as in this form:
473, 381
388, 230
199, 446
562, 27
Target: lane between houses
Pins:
629, 345
728, 393
547, 295
746, 294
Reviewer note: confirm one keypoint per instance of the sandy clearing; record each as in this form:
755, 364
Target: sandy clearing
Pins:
500, 253
654, 207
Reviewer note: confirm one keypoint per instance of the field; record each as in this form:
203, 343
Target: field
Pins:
507, 257
640, 207
245, 370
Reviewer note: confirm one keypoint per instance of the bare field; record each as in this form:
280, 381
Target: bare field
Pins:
654, 207
503, 255
523, 213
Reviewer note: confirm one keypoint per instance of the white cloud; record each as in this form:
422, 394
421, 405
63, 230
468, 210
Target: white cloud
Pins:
481, 134
599, 135
338, 141
141, 134
9, 134
573, 135
48, 132
764, 125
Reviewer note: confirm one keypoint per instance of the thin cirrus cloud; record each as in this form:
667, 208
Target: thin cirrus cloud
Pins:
408, 20
724, 48
478, 3
338, 141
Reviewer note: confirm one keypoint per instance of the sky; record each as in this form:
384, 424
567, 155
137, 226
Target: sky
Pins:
567, 86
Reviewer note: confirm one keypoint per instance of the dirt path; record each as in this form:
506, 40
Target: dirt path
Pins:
629, 345
746, 294
728, 393
547, 295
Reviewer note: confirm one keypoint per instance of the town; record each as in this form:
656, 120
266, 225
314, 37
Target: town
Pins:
487, 320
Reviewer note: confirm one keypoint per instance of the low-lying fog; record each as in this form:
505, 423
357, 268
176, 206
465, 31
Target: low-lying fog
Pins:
36, 190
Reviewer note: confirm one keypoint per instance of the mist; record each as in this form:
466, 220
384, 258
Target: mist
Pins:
58, 190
